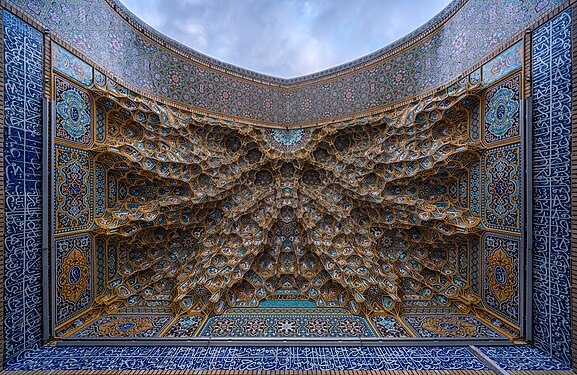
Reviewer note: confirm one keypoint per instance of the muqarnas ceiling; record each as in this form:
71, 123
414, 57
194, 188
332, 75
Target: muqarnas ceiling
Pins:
379, 218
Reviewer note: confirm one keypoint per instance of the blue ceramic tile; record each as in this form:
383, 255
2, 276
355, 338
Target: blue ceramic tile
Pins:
551, 171
523, 358
23, 166
248, 358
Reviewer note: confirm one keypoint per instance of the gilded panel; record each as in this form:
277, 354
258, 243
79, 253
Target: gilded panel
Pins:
449, 326
74, 275
505, 63
501, 274
125, 326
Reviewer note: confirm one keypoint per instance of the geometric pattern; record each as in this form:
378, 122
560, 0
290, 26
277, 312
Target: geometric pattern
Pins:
448, 326
70, 65
73, 178
475, 121
551, 219
475, 186
457, 40
100, 190
73, 113
501, 191
501, 274
125, 326
74, 290
268, 325
22, 56
502, 112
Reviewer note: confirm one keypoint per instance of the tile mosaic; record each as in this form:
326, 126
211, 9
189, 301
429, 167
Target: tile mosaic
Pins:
74, 113
70, 65
501, 274
551, 186
249, 358
293, 325
501, 188
73, 182
125, 326
523, 358
502, 107
74, 275
448, 326
23, 56
505, 63
362, 85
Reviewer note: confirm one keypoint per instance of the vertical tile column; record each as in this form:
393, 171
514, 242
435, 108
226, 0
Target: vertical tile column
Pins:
23, 50
551, 61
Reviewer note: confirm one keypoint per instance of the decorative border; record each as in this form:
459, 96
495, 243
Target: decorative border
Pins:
2, 193
405, 42
312, 122
573, 255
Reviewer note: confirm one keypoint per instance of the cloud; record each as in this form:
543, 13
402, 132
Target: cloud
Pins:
285, 38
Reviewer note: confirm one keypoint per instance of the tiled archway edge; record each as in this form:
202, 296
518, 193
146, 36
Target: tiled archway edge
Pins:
283, 372
280, 359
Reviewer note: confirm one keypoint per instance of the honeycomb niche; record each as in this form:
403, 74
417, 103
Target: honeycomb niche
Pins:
169, 224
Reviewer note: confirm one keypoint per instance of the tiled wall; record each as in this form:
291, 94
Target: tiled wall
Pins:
551, 186
23, 185
282, 358
478, 28
74, 186
501, 195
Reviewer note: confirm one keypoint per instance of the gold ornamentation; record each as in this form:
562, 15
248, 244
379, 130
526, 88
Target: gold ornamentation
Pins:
74, 275
125, 326
450, 327
502, 275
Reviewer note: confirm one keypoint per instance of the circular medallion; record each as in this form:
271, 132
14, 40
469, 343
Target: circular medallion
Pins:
74, 275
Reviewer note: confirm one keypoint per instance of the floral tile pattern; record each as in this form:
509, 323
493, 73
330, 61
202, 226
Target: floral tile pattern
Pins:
502, 112
501, 190
449, 326
73, 113
360, 86
501, 274
74, 265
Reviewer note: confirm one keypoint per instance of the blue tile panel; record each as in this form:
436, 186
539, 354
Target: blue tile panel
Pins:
281, 358
248, 358
23, 185
551, 186
522, 358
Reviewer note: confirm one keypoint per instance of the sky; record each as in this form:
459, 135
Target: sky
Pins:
285, 38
